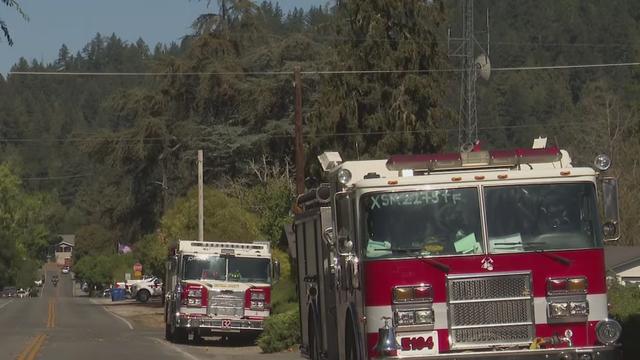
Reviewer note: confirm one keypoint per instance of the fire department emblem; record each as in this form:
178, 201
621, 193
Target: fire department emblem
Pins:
487, 263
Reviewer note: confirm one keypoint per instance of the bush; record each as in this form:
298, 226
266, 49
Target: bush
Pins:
625, 307
281, 332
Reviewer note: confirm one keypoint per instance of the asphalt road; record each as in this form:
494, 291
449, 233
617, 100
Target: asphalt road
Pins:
58, 326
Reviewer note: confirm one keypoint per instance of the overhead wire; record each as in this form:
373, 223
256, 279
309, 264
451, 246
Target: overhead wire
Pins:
320, 72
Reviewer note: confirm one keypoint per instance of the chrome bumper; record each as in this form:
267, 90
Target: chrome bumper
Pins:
587, 353
219, 325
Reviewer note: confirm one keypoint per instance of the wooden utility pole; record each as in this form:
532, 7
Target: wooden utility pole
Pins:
299, 148
200, 197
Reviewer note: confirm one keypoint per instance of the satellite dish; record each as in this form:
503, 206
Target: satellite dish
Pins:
483, 66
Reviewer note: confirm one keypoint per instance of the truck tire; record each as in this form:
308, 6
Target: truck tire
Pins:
314, 344
350, 346
143, 295
167, 332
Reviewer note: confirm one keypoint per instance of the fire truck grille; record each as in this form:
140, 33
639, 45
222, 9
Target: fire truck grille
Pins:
486, 311
226, 305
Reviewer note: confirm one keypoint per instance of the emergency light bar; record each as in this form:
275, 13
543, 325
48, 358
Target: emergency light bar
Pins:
474, 159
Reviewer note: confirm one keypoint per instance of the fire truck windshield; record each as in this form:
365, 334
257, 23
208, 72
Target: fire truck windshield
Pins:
542, 217
237, 269
428, 222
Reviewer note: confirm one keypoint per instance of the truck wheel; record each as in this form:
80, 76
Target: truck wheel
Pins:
314, 346
180, 336
351, 350
143, 295
167, 332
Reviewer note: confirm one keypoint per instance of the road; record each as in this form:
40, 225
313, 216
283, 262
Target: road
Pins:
58, 326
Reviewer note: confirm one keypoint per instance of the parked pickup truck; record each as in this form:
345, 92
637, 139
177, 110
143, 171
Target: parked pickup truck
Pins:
145, 289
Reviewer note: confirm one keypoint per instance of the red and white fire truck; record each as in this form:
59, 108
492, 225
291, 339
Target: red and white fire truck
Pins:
218, 288
482, 254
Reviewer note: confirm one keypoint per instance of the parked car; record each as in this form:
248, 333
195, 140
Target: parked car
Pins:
65, 270
9, 291
22, 293
146, 289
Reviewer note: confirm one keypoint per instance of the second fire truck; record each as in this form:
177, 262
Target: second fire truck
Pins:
484, 254
218, 288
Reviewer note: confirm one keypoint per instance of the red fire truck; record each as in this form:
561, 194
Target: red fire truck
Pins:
483, 254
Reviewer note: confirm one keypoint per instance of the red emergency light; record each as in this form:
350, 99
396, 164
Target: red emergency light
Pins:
474, 159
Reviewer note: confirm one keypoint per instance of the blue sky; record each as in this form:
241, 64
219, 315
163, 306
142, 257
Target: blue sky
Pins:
75, 22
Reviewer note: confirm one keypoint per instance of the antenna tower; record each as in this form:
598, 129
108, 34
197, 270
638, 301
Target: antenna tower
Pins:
464, 47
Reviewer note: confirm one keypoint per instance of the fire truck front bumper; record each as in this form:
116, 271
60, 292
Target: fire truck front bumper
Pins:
586, 353
217, 325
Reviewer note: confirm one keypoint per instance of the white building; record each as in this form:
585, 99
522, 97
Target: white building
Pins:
64, 249
623, 262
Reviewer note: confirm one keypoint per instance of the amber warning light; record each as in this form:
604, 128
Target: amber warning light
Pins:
475, 159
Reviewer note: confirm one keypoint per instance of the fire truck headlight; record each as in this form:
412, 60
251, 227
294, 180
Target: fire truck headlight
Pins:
602, 162
405, 318
344, 176
579, 308
195, 293
424, 317
194, 302
559, 309
608, 331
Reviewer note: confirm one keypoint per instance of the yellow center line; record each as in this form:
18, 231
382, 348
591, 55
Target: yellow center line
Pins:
32, 349
51, 320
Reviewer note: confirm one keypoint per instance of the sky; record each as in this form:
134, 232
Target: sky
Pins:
75, 22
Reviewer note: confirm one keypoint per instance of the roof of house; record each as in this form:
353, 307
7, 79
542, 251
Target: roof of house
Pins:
68, 239
619, 256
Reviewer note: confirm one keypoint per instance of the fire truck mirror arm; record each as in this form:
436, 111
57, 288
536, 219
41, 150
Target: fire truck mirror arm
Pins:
611, 226
329, 236
276, 271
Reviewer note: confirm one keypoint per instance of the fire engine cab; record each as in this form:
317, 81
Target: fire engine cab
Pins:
482, 254
218, 288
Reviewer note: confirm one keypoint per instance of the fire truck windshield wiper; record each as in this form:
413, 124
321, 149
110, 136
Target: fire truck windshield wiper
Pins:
437, 264
535, 245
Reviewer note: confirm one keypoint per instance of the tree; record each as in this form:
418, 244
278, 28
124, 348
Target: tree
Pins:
393, 112
225, 219
3, 25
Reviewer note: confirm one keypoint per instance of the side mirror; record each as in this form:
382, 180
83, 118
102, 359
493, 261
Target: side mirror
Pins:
276, 271
611, 226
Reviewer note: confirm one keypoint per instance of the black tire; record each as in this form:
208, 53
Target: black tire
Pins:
314, 346
167, 332
180, 336
143, 295
350, 345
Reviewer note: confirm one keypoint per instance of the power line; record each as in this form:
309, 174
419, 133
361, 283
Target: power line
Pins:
319, 72
289, 136
63, 177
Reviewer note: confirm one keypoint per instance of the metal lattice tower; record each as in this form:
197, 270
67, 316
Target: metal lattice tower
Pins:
465, 49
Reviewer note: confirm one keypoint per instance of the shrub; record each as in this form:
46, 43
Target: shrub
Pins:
281, 332
625, 307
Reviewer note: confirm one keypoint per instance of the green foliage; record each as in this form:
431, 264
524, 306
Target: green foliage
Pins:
93, 240
281, 332
225, 219
26, 273
26, 222
152, 252
625, 307
103, 269
271, 201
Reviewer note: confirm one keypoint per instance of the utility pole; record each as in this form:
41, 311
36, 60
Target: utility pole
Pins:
200, 197
299, 149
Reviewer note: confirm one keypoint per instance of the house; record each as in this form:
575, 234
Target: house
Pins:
623, 264
64, 249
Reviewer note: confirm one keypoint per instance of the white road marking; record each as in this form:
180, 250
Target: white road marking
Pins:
7, 303
115, 315
175, 348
